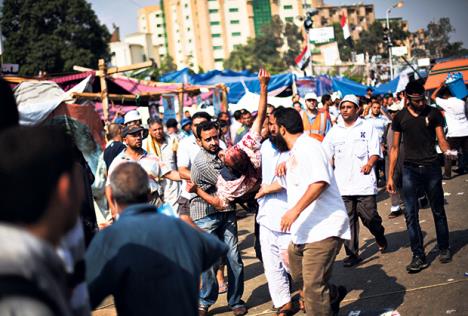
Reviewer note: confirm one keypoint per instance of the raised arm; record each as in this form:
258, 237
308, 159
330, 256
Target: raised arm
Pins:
264, 78
436, 91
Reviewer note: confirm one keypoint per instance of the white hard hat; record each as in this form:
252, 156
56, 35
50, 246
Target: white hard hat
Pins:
131, 116
311, 95
350, 98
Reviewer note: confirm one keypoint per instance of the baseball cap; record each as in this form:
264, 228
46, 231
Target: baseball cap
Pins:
131, 130
335, 95
131, 116
350, 98
185, 121
310, 95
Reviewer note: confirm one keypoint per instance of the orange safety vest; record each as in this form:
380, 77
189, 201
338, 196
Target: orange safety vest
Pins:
317, 128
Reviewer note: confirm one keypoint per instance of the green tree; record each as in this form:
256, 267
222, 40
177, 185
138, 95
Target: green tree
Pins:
343, 46
167, 65
294, 39
372, 40
265, 49
439, 45
52, 35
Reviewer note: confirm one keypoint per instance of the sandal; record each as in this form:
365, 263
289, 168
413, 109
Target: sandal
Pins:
301, 303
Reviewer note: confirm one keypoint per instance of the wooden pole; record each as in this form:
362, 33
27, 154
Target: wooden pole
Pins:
181, 103
104, 98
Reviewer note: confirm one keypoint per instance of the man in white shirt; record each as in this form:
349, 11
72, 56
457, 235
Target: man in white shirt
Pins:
273, 204
457, 124
162, 146
380, 122
316, 218
354, 147
186, 153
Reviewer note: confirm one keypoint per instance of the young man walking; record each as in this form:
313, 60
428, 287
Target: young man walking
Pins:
420, 125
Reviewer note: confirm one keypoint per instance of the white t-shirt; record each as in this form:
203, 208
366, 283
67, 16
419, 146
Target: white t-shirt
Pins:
350, 148
380, 124
187, 151
455, 117
326, 216
272, 206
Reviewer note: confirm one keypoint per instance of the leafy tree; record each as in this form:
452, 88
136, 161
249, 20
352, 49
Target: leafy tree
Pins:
343, 47
52, 35
372, 40
294, 39
266, 49
439, 45
167, 64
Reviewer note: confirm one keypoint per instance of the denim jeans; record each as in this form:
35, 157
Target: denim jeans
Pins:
223, 225
429, 179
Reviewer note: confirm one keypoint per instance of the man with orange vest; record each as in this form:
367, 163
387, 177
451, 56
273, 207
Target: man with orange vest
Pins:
316, 121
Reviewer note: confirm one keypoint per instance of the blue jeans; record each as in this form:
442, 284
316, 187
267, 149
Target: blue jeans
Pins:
427, 178
223, 225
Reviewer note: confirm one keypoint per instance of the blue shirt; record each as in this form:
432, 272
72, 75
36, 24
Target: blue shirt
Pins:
150, 263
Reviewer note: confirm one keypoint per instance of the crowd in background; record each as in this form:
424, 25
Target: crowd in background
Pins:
168, 242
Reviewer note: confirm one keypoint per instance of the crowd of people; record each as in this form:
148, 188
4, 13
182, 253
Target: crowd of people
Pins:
309, 171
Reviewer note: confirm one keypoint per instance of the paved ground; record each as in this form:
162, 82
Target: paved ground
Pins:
380, 283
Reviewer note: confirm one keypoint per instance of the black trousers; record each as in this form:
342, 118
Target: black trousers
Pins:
364, 207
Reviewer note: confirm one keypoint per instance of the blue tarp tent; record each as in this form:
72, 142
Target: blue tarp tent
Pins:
348, 86
232, 79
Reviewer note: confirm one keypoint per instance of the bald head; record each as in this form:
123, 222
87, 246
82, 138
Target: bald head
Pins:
114, 132
129, 184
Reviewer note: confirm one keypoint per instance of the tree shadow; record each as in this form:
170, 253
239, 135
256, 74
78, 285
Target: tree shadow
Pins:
379, 291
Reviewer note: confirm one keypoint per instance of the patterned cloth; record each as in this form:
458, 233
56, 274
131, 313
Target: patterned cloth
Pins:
228, 190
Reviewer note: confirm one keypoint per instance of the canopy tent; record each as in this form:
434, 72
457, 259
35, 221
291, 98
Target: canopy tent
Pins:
236, 82
249, 101
440, 71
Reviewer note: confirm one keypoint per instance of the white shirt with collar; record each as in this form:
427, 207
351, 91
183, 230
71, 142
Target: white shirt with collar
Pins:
326, 216
380, 123
350, 148
272, 206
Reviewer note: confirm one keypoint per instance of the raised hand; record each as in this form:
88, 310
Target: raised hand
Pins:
263, 77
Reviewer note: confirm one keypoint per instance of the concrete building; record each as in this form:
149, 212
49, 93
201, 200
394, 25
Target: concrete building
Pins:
201, 34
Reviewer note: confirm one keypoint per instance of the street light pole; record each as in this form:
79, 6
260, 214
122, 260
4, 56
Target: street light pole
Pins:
399, 4
389, 45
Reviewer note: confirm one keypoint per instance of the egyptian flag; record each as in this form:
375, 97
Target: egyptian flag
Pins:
346, 32
303, 59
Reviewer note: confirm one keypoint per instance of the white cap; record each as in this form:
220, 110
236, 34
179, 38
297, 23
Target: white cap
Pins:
350, 98
395, 106
310, 95
335, 95
131, 116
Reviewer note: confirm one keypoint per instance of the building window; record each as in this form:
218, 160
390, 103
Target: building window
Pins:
158, 15
216, 35
158, 25
235, 34
213, 10
187, 17
186, 5
219, 60
288, 7
188, 29
217, 47
233, 10
214, 23
235, 22
289, 19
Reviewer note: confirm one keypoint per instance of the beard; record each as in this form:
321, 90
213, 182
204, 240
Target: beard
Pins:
278, 142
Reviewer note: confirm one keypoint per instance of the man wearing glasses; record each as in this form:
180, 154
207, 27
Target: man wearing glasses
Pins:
419, 125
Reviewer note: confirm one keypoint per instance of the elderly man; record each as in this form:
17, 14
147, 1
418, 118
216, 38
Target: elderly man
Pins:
164, 147
149, 262
354, 147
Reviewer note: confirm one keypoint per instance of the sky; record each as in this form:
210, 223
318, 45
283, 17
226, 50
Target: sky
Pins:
418, 13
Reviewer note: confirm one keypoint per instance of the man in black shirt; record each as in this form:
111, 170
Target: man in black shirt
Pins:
115, 145
420, 125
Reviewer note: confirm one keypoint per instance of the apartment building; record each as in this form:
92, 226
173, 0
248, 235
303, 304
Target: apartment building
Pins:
201, 34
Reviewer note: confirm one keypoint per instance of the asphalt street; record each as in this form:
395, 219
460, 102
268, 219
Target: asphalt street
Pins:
380, 282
